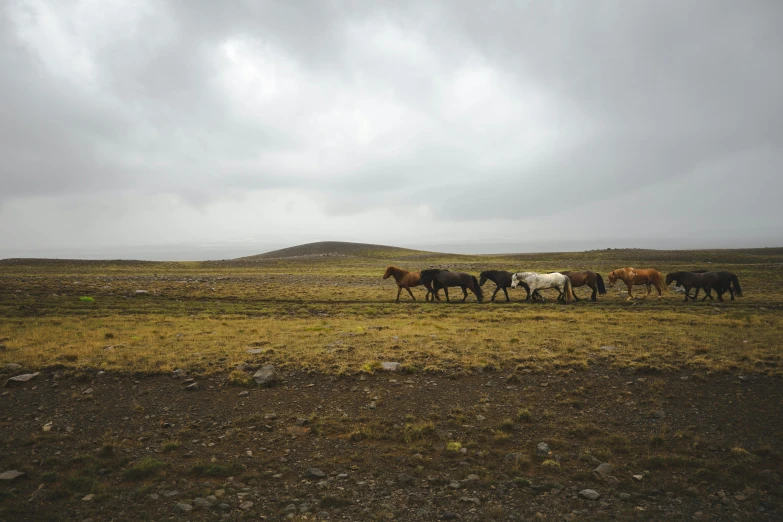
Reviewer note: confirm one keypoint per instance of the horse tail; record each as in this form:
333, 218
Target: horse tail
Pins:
569, 291
600, 282
477, 288
735, 282
661, 282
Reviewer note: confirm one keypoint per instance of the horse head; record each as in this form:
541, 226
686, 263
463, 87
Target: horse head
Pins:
389, 271
482, 278
672, 276
514, 281
611, 279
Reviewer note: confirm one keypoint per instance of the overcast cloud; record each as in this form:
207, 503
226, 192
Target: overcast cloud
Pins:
201, 129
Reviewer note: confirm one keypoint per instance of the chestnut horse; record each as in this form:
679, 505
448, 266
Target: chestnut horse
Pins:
406, 280
638, 276
586, 277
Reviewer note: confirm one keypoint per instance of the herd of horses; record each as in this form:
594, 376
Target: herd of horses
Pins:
437, 279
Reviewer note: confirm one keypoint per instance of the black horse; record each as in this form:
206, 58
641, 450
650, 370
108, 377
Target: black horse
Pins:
444, 279
502, 280
727, 282
688, 280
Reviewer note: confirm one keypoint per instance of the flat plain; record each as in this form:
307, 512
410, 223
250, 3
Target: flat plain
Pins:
145, 404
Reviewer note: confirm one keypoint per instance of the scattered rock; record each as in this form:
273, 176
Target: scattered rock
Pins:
470, 500
244, 393
11, 475
315, 473
89, 497
178, 373
202, 502
193, 386
255, 351
542, 449
140, 292
181, 506
19, 380
660, 415
624, 496
602, 471
638, 478
13, 367
390, 366
590, 494
404, 479
608, 348
266, 375
247, 504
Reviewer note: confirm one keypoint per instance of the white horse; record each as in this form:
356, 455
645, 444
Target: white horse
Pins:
535, 281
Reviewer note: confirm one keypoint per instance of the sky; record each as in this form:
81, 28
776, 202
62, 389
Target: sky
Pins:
194, 129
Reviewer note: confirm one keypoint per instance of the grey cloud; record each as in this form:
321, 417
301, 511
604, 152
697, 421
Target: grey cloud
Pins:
481, 111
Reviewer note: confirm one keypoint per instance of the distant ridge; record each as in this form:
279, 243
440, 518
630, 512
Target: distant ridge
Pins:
337, 248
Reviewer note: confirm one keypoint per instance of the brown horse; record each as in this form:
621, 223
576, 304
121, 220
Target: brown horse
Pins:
586, 277
406, 280
638, 276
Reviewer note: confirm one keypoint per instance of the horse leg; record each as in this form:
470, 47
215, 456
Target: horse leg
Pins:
506, 292
446, 291
649, 289
497, 288
465, 293
630, 295
593, 297
399, 289
688, 291
573, 291
411, 293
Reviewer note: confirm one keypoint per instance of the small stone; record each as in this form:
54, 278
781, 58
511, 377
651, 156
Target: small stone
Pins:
542, 449
315, 473
480, 418
19, 380
470, 500
404, 479
178, 373
11, 475
244, 393
193, 386
608, 348
13, 367
660, 414
602, 471
638, 478
290, 508
590, 494
266, 375
390, 366
624, 496
154, 496
202, 502
255, 351
323, 515
181, 506
454, 484
247, 504
140, 292
89, 497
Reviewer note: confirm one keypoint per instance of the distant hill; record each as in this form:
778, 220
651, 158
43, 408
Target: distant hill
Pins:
334, 248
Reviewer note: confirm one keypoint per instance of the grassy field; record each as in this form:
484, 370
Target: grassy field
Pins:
332, 313
682, 400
